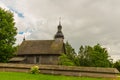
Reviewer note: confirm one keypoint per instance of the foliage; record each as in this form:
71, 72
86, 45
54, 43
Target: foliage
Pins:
7, 35
64, 60
70, 52
34, 70
117, 65
68, 58
26, 76
95, 56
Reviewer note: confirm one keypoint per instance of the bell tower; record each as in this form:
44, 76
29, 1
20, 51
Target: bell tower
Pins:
59, 35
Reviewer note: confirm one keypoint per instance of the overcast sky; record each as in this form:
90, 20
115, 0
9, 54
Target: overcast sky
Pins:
85, 22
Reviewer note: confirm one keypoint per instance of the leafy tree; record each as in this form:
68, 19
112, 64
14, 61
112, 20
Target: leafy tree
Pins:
101, 57
69, 57
84, 56
70, 52
94, 56
117, 65
64, 60
7, 35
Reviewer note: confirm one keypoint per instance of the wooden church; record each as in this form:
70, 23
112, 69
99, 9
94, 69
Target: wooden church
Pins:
41, 51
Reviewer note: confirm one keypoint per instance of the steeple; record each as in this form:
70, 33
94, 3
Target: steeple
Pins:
24, 38
59, 35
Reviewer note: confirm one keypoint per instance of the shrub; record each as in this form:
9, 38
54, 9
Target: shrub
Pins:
34, 70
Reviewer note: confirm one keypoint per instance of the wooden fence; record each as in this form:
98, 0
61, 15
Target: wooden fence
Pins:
62, 70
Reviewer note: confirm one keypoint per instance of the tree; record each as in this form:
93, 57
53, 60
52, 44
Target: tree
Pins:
117, 65
101, 57
70, 52
84, 56
64, 60
7, 35
68, 58
94, 56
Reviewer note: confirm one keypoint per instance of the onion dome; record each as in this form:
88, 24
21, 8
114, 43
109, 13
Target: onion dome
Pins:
59, 33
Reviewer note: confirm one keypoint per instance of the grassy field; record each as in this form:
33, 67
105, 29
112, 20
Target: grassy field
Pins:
28, 76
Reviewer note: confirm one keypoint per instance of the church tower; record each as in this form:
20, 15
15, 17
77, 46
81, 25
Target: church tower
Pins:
59, 35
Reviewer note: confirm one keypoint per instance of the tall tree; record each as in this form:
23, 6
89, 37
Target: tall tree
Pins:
69, 57
7, 35
94, 56
70, 52
84, 57
117, 65
100, 57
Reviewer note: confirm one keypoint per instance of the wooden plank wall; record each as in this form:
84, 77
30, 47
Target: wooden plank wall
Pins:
62, 70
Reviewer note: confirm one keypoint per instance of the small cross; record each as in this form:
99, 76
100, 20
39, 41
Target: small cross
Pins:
59, 20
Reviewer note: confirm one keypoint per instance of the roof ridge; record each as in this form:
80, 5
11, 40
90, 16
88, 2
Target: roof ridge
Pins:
39, 40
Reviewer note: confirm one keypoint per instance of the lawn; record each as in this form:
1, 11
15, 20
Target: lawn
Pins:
28, 76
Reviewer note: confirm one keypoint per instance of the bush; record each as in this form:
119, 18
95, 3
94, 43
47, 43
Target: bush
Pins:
34, 70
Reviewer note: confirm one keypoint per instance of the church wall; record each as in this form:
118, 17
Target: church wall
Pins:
42, 59
49, 59
30, 59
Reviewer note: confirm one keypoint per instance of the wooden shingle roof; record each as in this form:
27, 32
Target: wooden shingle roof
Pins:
31, 47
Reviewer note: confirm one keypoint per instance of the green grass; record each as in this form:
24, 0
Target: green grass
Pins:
28, 76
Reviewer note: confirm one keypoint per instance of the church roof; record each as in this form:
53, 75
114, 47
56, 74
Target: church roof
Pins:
31, 47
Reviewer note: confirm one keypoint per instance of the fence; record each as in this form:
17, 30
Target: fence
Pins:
62, 70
